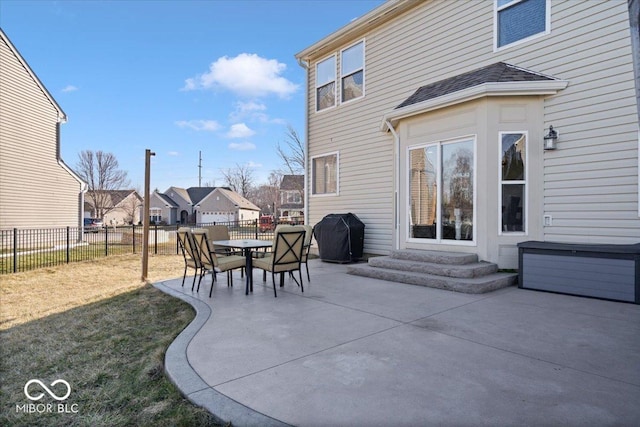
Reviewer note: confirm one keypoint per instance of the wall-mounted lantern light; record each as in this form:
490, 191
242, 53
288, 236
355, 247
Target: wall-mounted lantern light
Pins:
550, 139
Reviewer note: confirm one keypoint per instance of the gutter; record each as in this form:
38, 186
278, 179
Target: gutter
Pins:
396, 190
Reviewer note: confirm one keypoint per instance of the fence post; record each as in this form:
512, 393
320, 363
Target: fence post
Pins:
15, 250
177, 242
133, 238
68, 243
106, 241
255, 223
155, 236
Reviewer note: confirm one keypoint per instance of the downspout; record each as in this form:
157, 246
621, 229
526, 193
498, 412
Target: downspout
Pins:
396, 190
305, 65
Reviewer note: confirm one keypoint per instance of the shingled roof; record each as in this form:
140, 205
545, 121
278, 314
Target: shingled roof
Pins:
494, 73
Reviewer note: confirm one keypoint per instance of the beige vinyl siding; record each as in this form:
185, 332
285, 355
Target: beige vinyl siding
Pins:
35, 190
596, 163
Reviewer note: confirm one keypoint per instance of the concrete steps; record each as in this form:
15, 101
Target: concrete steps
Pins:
460, 272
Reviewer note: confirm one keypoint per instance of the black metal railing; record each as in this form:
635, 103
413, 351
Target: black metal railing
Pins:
28, 249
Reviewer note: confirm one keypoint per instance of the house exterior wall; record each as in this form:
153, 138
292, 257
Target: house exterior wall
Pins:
217, 207
36, 191
589, 184
183, 204
481, 121
168, 213
129, 210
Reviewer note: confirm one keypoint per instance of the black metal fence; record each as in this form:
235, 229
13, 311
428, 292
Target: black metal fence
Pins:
28, 249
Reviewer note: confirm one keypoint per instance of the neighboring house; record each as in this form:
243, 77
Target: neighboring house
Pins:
121, 207
163, 209
201, 205
428, 120
37, 189
292, 198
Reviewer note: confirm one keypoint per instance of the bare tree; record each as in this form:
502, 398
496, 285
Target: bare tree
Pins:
293, 154
100, 171
239, 179
293, 158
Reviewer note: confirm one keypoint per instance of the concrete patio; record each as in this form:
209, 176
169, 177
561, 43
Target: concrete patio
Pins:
356, 351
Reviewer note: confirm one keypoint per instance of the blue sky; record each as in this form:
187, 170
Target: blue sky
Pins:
177, 77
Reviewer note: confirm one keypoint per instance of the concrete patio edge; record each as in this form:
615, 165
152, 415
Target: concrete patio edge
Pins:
191, 385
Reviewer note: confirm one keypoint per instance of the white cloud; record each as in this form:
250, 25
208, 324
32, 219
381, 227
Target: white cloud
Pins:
247, 75
240, 130
254, 164
70, 88
242, 146
206, 125
249, 110
173, 153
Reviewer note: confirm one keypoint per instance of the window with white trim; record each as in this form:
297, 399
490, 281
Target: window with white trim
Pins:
155, 215
352, 72
326, 83
513, 181
517, 20
324, 174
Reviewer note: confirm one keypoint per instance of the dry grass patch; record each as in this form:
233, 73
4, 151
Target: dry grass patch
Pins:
35, 294
98, 327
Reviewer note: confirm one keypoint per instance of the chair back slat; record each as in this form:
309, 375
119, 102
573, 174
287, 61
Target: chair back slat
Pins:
207, 256
288, 247
187, 245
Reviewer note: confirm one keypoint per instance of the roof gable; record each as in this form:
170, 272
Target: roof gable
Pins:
62, 117
233, 197
292, 182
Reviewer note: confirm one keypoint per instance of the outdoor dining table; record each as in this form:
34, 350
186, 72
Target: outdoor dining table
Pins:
247, 246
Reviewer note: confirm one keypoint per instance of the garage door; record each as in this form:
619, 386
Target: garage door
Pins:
208, 217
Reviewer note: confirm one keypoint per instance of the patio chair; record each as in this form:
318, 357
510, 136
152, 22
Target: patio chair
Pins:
189, 252
269, 251
221, 232
286, 256
213, 263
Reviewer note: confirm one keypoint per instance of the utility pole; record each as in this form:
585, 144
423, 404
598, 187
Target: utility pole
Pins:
200, 169
146, 218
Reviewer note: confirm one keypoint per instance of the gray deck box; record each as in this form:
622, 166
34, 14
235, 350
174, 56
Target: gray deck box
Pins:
601, 271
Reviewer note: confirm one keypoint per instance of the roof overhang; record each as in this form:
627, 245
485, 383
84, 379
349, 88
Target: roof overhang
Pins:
357, 28
541, 87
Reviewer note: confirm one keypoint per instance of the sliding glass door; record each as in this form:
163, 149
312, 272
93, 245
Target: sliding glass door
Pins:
441, 191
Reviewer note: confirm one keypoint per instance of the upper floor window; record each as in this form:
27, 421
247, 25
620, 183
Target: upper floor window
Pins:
324, 174
519, 19
352, 72
326, 83
291, 197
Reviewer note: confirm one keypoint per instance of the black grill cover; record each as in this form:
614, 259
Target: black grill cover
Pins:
340, 237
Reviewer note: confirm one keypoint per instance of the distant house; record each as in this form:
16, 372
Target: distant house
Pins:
200, 205
472, 126
291, 197
37, 189
121, 207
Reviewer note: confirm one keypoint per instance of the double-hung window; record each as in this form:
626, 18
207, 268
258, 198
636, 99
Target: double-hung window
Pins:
324, 174
513, 174
517, 20
326, 83
352, 72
